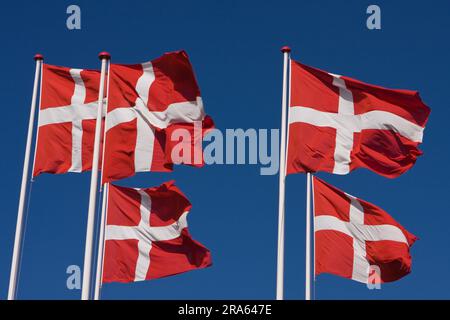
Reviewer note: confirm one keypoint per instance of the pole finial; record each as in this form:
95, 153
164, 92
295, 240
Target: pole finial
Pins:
285, 49
104, 55
38, 56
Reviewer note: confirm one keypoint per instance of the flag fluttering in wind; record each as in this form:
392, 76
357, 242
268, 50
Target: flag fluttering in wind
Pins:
146, 103
146, 235
351, 235
68, 109
338, 124
335, 124
143, 117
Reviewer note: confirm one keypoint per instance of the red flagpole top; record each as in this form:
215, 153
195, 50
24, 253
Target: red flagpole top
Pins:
38, 56
285, 49
104, 55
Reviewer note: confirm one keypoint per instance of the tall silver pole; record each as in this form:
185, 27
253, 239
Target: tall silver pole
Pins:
101, 244
282, 176
85, 290
308, 238
23, 189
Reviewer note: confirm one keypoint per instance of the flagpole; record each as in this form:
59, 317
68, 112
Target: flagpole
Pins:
101, 244
308, 238
23, 189
313, 214
282, 175
85, 290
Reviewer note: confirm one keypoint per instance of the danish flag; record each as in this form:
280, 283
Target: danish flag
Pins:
338, 124
146, 103
66, 124
146, 235
354, 238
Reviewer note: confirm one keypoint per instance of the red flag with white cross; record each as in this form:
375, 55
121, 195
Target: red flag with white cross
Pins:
146, 235
66, 125
355, 239
338, 124
147, 103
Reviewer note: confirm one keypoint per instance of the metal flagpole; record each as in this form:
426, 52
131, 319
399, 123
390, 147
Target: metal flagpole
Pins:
313, 213
101, 244
106, 124
308, 238
36, 141
23, 189
85, 290
282, 175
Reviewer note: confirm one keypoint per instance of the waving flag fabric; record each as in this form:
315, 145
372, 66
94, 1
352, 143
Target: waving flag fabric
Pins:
338, 124
146, 235
66, 125
351, 235
147, 102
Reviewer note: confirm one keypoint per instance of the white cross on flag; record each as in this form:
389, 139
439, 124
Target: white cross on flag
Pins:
338, 124
66, 125
354, 238
146, 235
146, 103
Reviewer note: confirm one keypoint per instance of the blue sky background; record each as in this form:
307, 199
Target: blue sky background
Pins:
234, 47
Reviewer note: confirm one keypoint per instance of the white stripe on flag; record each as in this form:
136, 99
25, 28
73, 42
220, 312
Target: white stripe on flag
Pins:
79, 93
78, 97
360, 263
344, 138
145, 234
366, 232
145, 135
144, 247
347, 124
68, 114
180, 112
144, 83
360, 233
77, 139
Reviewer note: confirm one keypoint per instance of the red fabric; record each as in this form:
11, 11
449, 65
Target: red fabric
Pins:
334, 251
334, 259
53, 149
311, 148
315, 154
174, 82
120, 150
178, 146
398, 153
167, 257
54, 141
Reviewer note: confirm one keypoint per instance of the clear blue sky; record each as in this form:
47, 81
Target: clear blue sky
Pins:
234, 47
